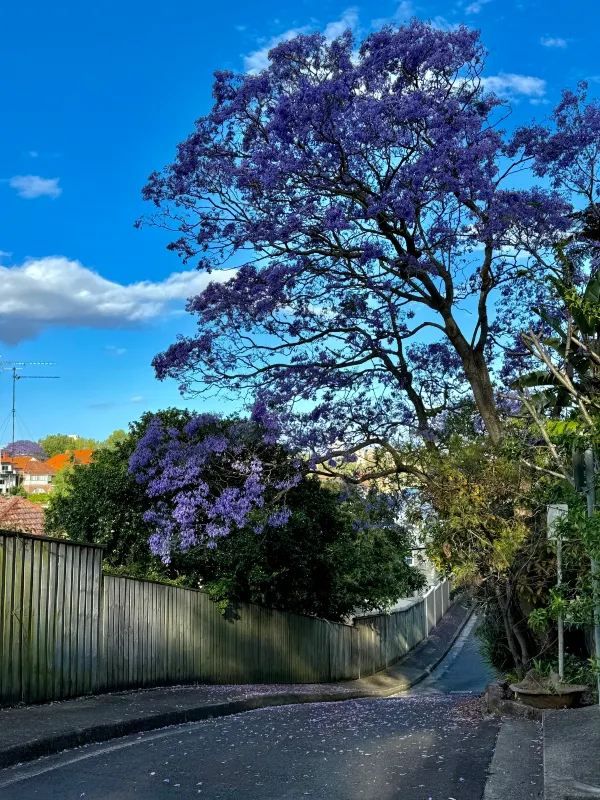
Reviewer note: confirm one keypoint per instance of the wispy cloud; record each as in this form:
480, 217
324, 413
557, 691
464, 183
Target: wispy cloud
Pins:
29, 187
443, 24
258, 59
113, 350
511, 85
404, 11
59, 292
475, 6
553, 41
349, 19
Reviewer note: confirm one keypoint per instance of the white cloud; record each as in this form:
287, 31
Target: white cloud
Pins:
31, 186
33, 154
349, 19
476, 6
405, 10
508, 84
258, 59
442, 24
553, 41
60, 292
136, 398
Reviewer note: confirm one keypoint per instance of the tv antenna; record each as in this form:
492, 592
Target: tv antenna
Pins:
13, 367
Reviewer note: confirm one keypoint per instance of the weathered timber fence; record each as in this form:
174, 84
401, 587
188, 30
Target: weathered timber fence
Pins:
67, 630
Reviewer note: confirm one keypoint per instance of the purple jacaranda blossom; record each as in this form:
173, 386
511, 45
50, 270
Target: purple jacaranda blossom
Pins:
25, 447
207, 476
279, 518
387, 257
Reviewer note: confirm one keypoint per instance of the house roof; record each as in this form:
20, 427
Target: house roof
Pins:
29, 466
19, 514
63, 460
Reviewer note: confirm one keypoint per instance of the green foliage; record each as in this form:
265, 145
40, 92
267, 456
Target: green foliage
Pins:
41, 498
56, 443
101, 503
116, 437
327, 560
492, 638
577, 670
320, 563
477, 528
487, 527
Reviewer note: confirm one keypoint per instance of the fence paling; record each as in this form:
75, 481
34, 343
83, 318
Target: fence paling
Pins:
67, 630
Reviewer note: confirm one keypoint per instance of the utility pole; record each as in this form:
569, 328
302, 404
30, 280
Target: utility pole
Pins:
590, 491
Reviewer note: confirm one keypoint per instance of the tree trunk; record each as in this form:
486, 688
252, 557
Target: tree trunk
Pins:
516, 628
510, 639
478, 375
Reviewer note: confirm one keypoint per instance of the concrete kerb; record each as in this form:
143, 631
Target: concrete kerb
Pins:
93, 734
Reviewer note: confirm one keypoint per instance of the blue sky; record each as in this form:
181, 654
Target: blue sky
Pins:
95, 96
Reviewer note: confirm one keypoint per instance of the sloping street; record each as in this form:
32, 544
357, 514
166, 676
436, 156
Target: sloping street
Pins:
429, 743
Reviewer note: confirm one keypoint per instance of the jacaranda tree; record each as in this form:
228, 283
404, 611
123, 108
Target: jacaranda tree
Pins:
385, 252
25, 447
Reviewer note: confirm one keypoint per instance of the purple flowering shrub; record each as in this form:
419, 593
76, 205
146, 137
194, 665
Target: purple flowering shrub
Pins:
206, 476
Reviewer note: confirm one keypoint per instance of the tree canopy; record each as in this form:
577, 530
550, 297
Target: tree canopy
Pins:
25, 447
367, 197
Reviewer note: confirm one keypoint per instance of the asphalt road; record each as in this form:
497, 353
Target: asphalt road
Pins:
462, 670
426, 745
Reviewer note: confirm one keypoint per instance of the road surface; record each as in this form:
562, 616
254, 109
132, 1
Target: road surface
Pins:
428, 744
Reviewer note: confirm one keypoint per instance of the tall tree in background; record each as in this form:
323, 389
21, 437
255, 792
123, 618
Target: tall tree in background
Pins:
56, 443
25, 447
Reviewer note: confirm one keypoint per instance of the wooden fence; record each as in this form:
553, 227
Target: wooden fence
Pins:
67, 630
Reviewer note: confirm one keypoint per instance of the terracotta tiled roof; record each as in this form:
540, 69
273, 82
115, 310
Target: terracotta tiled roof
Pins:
19, 514
63, 460
30, 466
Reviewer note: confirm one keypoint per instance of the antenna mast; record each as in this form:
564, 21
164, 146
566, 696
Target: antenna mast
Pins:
13, 366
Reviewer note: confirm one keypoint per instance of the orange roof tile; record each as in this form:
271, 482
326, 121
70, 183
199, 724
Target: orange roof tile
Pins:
24, 463
19, 514
32, 467
63, 460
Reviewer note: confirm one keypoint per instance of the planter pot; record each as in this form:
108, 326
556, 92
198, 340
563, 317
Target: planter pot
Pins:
547, 691
548, 700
